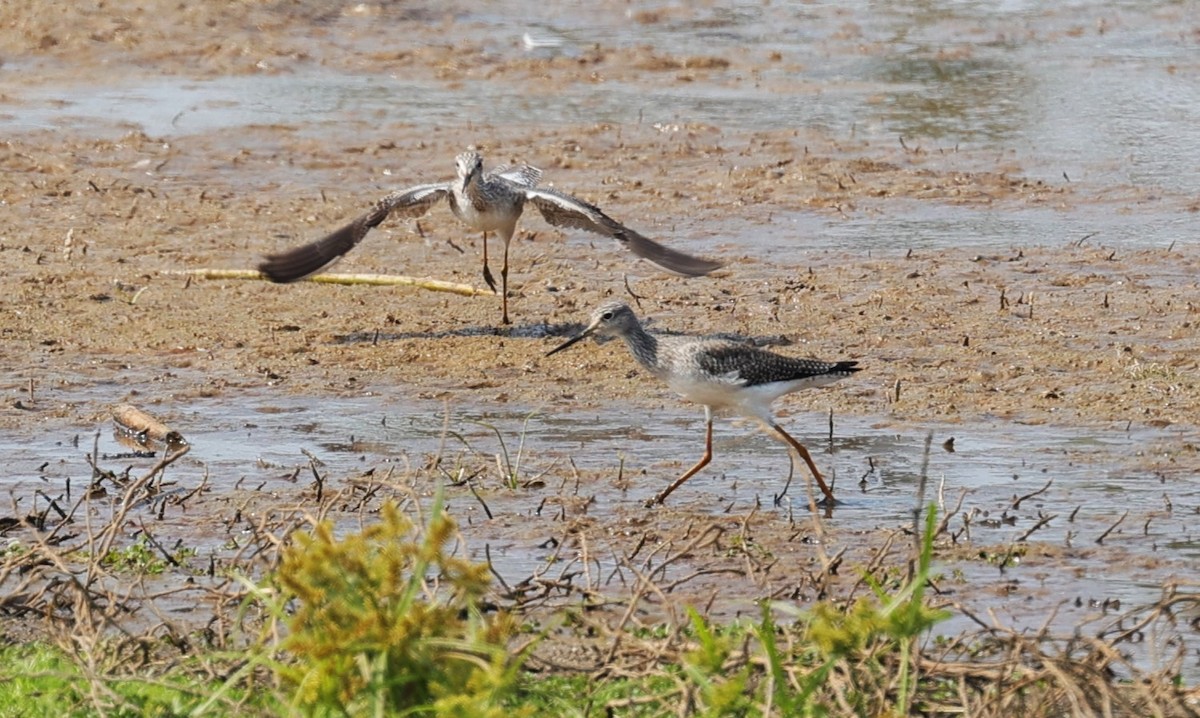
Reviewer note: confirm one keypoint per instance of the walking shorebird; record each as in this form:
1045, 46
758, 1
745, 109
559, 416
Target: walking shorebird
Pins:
720, 374
487, 202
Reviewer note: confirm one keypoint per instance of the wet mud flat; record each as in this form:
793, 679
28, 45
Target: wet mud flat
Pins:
990, 299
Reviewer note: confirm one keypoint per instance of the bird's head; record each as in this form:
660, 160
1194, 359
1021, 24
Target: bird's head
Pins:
611, 319
470, 167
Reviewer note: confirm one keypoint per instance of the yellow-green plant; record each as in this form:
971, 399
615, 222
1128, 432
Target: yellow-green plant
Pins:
866, 649
721, 692
872, 642
387, 623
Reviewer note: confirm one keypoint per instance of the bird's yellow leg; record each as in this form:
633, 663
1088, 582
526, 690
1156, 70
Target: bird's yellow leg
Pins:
807, 459
504, 284
487, 271
690, 472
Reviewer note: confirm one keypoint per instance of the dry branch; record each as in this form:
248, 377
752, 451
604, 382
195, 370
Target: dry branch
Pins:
385, 280
141, 427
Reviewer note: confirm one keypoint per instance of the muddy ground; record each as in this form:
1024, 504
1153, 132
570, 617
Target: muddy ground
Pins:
95, 225
1084, 333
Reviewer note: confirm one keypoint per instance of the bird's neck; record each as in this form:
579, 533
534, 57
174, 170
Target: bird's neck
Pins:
644, 347
477, 194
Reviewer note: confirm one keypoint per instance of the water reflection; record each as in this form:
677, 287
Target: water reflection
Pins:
966, 100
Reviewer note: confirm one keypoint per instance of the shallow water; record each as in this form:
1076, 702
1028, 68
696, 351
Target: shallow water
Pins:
876, 468
799, 237
1091, 93
1102, 93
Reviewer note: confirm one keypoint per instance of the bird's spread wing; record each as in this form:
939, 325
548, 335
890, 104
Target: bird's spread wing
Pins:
751, 366
669, 259
563, 210
299, 262
524, 175
414, 201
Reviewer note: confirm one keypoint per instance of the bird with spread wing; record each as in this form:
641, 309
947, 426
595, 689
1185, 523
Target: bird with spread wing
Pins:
487, 202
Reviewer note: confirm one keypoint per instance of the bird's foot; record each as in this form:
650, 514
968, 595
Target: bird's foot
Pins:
487, 277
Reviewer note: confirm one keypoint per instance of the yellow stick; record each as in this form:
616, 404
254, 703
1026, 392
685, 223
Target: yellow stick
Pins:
391, 280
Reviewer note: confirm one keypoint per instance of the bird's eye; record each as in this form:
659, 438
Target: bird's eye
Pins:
606, 316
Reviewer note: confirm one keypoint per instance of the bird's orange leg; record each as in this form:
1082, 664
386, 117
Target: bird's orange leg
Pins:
808, 460
690, 472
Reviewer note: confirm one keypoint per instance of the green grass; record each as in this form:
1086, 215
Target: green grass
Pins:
573, 696
387, 622
39, 680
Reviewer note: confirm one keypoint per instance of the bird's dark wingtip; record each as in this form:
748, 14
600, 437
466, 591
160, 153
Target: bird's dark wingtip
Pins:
294, 264
669, 259
270, 270
706, 266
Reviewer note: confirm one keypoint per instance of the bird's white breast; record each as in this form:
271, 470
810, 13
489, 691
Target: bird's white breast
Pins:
497, 215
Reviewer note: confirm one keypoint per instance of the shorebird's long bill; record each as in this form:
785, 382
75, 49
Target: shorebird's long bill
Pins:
475, 172
577, 338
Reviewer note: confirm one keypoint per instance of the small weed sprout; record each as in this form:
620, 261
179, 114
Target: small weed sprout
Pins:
507, 465
138, 557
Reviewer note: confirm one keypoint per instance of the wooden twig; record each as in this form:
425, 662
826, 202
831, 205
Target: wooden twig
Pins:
142, 427
1016, 504
487, 552
479, 498
1100, 539
109, 533
386, 280
1045, 519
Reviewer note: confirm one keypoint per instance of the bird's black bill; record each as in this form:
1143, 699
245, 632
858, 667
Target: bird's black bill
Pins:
475, 174
568, 343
